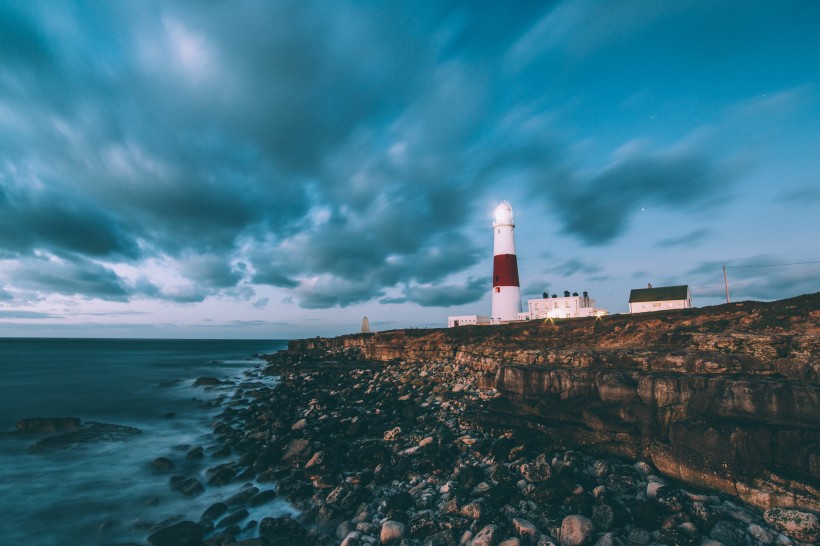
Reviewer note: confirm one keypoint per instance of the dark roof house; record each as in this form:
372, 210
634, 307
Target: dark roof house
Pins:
662, 293
645, 300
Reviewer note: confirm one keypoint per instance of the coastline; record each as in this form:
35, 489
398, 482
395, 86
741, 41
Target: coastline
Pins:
395, 453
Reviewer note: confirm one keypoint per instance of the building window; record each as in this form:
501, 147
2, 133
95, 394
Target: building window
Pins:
498, 289
657, 304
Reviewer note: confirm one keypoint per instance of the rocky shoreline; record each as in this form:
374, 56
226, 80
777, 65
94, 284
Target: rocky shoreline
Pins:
396, 453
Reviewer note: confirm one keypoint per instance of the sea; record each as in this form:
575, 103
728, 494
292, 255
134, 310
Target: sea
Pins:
104, 490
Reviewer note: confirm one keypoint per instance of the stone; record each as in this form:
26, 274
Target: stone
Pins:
47, 425
536, 472
235, 517
524, 529
189, 487
391, 531
730, 533
602, 517
214, 511
487, 536
283, 530
184, 533
638, 536
760, 534
799, 525
670, 499
299, 425
162, 464
575, 531
513, 541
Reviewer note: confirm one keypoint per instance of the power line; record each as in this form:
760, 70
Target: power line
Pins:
771, 265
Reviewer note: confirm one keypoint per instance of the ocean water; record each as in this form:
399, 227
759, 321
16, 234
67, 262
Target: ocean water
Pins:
105, 491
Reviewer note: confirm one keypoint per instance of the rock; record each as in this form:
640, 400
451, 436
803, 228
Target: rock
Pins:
162, 464
638, 536
669, 499
47, 425
524, 529
299, 425
799, 525
575, 531
90, 432
760, 534
514, 541
184, 533
207, 382
730, 533
536, 472
233, 518
391, 531
392, 434
189, 487
262, 497
602, 517
214, 511
485, 537
282, 530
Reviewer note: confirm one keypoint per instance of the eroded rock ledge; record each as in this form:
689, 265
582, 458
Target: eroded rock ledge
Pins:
726, 397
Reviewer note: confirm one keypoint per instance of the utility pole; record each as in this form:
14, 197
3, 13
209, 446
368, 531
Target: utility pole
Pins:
726, 283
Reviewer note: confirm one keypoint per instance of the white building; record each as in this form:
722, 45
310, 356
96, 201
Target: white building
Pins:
568, 306
467, 320
646, 300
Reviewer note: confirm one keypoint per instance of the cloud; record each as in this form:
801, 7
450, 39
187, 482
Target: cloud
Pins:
12, 314
69, 276
440, 295
691, 239
572, 266
261, 303
807, 195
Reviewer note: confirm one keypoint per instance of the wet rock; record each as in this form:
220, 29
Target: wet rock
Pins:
189, 487
283, 530
162, 464
88, 433
195, 453
233, 518
207, 382
538, 471
221, 475
575, 531
799, 525
47, 425
262, 497
214, 511
184, 533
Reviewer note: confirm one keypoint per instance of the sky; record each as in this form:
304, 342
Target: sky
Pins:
258, 169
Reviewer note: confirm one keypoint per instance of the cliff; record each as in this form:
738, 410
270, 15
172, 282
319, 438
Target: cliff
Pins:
726, 397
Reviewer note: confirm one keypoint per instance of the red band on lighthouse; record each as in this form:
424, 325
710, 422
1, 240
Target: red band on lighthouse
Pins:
505, 270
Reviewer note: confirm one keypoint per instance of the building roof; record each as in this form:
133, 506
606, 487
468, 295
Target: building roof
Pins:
662, 293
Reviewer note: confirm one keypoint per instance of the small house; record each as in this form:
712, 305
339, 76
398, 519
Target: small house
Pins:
646, 300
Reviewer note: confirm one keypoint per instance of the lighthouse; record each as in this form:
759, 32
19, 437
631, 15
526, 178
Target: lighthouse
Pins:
506, 287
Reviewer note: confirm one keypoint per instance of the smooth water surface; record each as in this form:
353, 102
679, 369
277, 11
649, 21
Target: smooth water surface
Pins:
105, 491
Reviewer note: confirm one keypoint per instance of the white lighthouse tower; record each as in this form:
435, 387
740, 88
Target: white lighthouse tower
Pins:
506, 287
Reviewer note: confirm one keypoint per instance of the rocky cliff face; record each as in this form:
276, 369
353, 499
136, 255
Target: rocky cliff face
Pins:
726, 397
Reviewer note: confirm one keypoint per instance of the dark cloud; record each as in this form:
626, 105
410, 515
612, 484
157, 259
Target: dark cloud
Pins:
261, 303
440, 295
573, 266
598, 209
74, 276
691, 239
